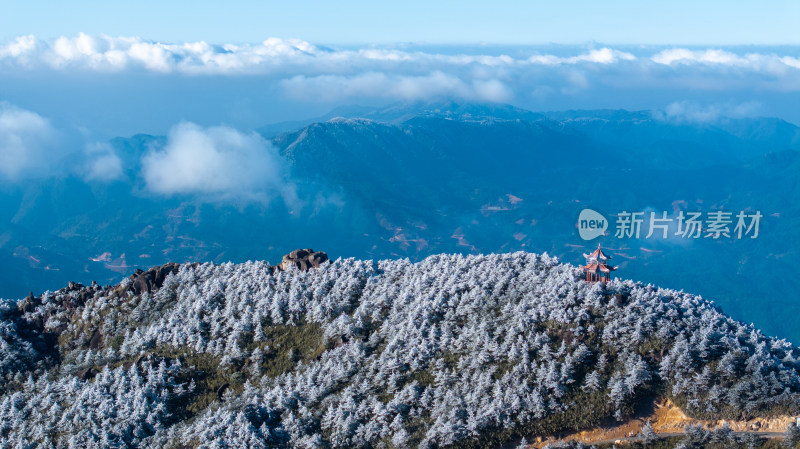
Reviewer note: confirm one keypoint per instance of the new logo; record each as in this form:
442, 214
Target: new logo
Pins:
591, 224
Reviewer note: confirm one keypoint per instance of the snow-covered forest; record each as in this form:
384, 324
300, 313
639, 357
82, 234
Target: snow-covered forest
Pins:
451, 351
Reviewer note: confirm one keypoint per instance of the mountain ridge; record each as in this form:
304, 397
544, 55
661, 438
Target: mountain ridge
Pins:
451, 351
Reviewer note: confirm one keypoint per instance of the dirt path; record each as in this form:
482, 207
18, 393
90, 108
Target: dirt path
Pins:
668, 420
677, 434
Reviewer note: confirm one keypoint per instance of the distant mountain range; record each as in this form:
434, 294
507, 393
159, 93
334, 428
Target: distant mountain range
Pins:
419, 179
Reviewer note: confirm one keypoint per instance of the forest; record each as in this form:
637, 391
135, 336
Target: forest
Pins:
452, 351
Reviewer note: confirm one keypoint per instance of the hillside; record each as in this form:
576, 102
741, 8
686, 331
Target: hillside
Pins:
452, 351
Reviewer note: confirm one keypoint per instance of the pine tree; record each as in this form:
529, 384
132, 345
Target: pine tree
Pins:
648, 434
791, 438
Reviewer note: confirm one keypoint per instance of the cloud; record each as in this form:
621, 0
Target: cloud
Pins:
109, 54
298, 71
20, 48
218, 162
27, 143
113, 54
722, 59
689, 112
405, 87
31, 147
103, 164
791, 62
685, 56
601, 56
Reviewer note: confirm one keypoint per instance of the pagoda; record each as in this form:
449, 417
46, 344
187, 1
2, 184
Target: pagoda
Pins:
596, 268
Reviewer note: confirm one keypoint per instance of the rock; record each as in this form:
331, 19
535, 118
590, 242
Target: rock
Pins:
73, 287
317, 258
152, 279
303, 259
300, 253
30, 303
85, 296
87, 374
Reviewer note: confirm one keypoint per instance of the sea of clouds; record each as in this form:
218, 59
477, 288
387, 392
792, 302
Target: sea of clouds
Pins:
61, 99
489, 74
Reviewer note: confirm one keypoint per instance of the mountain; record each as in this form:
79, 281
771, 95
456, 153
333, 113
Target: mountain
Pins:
452, 351
421, 179
398, 113
455, 181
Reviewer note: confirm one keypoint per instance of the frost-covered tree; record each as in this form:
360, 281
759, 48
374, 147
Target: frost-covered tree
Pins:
648, 434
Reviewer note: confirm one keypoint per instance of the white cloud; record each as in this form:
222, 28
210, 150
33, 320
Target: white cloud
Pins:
604, 55
752, 62
685, 56
106, 53
116, 53
317, 74
26, 143
791, 62
220, 162
685, 111
607, 56
406, 87
103, 164
492, 90
20, 48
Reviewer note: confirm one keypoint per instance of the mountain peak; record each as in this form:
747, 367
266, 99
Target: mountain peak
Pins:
358, 351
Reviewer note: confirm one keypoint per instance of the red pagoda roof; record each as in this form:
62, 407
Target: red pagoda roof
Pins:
596, 261
598, 253
596, 269
602, 267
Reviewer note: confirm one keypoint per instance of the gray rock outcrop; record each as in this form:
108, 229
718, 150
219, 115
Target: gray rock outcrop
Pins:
303, 259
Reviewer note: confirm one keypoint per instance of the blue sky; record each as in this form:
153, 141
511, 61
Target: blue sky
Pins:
460, 22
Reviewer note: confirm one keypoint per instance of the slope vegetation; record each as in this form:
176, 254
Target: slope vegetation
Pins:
452, 351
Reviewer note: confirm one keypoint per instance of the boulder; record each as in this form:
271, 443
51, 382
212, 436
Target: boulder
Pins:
152, 279
30, 303
303, 259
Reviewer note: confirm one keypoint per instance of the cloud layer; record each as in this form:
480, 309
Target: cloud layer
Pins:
107, 53
216, 161
390, 86
307, 71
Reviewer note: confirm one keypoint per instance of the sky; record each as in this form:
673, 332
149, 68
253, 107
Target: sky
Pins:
678, 22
